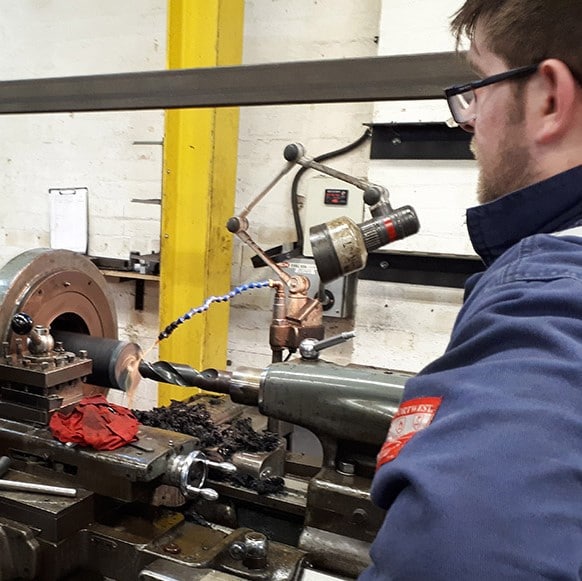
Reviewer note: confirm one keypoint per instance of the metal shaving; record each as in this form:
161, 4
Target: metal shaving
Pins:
221, 440
239, 436
268, 485
195, 420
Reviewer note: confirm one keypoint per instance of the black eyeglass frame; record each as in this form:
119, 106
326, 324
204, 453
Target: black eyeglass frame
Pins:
472, 86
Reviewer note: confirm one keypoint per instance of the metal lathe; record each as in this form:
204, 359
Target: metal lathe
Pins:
124, 514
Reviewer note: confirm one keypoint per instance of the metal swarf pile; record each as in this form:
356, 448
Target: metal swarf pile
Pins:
217, 440
191, 419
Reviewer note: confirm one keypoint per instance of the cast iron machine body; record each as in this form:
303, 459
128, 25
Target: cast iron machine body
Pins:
348, 408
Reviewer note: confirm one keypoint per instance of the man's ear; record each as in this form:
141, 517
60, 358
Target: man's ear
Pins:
555, 101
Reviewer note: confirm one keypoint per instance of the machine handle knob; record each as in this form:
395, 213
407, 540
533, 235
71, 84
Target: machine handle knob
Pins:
310, 348
22, 324
205, 493
293, 152
225, 467
188, 472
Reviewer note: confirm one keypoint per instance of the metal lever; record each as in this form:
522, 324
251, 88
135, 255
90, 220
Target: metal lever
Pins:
205, 493
310, 348
37, 488
225, 467
239, 225
189, 471
210, 493
295, 153
31, 486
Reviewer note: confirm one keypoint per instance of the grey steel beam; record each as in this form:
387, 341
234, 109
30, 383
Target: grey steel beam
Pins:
324, 81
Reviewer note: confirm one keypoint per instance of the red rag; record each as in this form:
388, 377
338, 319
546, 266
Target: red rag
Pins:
97, 423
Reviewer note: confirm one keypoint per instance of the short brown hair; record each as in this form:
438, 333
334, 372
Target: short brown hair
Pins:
525, 32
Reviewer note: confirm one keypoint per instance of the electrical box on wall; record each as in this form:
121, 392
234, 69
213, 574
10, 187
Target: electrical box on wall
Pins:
326, 199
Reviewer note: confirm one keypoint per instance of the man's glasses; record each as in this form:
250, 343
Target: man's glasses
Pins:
461, 97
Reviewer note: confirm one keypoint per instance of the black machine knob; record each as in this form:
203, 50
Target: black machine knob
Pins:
22, 324
293, 152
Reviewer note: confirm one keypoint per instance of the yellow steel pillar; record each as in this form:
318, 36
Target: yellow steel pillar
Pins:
200, 153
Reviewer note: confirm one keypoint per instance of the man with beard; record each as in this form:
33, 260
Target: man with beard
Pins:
481, 472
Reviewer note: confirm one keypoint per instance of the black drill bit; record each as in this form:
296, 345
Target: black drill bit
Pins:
186, 376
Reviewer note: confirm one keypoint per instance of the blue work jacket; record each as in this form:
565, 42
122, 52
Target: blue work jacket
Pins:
485, 483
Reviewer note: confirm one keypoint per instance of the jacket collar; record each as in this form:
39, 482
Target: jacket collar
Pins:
542, 208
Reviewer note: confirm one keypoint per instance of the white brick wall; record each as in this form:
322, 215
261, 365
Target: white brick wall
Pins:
440, 191
94, 150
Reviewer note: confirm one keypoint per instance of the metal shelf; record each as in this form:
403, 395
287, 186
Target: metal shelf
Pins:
442, 270
419, 141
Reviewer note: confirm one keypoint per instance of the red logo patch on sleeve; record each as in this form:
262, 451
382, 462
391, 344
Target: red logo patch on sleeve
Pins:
412, 417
